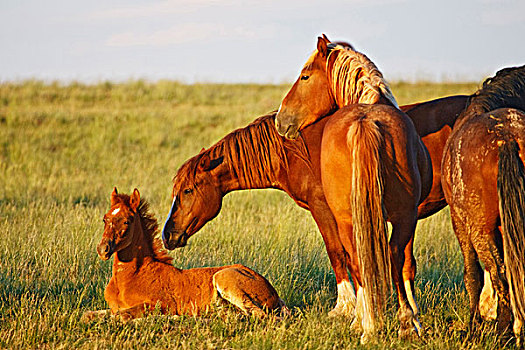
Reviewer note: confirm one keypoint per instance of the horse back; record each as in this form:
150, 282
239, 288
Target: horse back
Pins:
405, 163
470, 162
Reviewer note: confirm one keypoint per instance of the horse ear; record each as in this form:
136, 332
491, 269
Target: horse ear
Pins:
322, 45
134, 200
114, 196
208, 164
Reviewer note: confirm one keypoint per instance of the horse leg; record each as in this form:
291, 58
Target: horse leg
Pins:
402, 232
488, 300
409, 274
485, 245
247, 290
472, 272
339, 259
92, 315
361, 311
133, 312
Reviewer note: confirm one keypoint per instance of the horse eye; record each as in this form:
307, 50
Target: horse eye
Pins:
305, 77
126, 222
188, 191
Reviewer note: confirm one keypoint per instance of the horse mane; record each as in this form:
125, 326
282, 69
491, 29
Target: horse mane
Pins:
254, 154
149, 228
505, 89
354, 78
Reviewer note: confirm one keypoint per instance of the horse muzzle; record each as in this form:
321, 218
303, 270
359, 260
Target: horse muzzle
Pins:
172, 241
286, 126
105, 249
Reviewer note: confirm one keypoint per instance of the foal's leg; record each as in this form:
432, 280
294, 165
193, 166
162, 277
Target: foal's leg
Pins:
247, 290
402, 232
133, 312
97, 314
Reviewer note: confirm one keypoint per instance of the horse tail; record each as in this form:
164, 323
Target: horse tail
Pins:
511, 193
365, 140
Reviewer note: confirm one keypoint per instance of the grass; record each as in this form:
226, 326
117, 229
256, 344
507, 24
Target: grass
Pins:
64, 147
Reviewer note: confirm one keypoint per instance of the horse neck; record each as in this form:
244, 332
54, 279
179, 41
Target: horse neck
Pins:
266, 165
139, 248
228, 181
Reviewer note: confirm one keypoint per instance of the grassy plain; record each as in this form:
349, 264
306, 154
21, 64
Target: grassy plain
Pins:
64, 147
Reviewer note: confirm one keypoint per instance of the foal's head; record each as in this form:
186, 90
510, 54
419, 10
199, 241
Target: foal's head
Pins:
118, 223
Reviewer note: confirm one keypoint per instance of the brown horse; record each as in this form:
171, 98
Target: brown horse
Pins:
374, 167
275, 162
484, 184
143, 276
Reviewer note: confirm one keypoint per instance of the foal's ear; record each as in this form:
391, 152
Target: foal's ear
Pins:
322, 45
114, 196
208, 164
134, 200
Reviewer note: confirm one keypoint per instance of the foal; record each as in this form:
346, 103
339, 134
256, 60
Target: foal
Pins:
143, 275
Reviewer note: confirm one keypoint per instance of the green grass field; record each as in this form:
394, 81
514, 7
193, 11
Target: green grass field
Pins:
64, 147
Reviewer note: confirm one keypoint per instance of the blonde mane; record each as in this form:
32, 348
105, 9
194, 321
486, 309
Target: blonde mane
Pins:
354, 78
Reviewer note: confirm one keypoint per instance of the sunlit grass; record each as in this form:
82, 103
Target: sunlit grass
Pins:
64, 147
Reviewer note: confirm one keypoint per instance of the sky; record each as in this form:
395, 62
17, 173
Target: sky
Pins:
254, 41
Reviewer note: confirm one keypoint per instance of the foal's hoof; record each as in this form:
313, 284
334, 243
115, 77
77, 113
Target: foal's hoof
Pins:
88, 316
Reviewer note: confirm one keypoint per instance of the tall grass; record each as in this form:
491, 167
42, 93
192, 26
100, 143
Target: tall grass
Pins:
64, 147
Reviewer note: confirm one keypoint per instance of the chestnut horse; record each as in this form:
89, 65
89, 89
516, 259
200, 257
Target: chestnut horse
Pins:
144, 277
296, 170
374, 167
484, 184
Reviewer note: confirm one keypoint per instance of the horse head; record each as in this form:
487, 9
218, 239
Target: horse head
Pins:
310, 96
196, 200
118, 223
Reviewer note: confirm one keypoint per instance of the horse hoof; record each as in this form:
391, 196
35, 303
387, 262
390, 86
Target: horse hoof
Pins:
340, 312
409, 333
368, 338
343, 310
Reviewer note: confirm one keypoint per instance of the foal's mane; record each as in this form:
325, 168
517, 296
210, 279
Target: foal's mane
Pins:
254, 154
505, 89
354, 78
149, 228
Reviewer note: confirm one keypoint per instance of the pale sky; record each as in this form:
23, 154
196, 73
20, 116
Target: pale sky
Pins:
254, 41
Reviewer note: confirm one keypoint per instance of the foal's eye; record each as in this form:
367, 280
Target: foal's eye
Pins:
305, 77
188, 191
126, 222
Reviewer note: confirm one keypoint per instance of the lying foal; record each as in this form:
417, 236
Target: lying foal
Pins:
143, 275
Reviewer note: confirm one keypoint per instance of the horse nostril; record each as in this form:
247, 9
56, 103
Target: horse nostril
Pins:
106, 248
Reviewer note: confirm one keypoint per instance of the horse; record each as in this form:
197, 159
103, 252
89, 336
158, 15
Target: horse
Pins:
374, 167
144, 277
484, 183
296, 171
